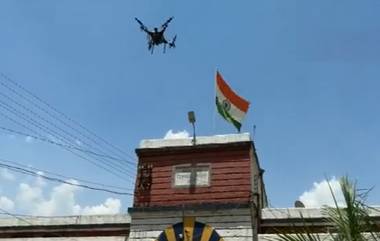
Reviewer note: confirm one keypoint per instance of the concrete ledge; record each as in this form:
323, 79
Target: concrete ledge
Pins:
290, 213
65, 220
200, 140
197, 207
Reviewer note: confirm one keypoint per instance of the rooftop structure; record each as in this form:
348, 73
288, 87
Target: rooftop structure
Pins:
210, 190
200, 140
90, 227
221, 169
211, 186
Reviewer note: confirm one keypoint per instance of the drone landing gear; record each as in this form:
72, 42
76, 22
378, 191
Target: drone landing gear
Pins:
150, 47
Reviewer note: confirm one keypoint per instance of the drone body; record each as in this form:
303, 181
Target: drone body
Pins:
157, 37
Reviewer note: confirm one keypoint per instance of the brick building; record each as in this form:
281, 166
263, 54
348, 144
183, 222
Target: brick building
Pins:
210, 190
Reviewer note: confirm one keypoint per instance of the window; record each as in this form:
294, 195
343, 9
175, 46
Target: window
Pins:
191, 175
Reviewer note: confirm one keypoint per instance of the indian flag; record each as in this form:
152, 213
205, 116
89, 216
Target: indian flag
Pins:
231, 106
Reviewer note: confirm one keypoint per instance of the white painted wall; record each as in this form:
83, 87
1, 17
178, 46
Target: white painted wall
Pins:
65, 220
116, 238
322, 236
232, 225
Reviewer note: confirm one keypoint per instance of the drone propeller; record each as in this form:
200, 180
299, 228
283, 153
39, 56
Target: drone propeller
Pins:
165, 25
142, 26
172, 44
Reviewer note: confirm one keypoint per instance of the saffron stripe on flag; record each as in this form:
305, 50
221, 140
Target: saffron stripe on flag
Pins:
236, 100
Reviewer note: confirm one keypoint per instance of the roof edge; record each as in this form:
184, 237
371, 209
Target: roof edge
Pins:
200, 140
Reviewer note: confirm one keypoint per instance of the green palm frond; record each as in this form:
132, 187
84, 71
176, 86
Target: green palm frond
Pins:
351, 222
301, 236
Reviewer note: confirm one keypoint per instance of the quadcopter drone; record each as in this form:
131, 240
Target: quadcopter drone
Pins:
157, 37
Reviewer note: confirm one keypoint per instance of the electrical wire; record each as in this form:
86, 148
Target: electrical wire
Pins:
56, 143
63, 176
15, 83
3, 211
53, 179
21, 218
42, 127
74, 138
76, 154
115, 166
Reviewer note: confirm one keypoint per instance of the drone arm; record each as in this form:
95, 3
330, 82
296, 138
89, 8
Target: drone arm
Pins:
142, 26
166, 24
144, 29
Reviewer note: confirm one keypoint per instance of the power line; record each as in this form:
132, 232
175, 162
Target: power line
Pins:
42, 127
59, 128
15, 83
21, 218
53, 179
3, 211
57, 143
63, 176
76, 154
62, 138
28, 100
54, 133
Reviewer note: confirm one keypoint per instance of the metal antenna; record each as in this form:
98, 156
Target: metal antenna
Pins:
191, 117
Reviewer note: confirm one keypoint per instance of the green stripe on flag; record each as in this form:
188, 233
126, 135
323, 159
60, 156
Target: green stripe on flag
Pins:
227, 115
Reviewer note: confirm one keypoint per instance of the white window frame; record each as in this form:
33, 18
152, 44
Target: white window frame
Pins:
193, 169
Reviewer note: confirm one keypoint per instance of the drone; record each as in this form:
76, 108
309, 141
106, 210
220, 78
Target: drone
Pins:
157, 37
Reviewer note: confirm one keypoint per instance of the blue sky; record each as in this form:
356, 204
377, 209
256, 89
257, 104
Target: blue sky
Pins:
310, 71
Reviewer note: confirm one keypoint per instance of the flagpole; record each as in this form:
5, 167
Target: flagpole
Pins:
214, 115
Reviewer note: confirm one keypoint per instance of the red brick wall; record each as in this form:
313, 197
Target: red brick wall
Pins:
230, 180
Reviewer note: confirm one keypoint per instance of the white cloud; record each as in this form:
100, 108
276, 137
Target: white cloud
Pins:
28, 196
28, 139
6, 203
320, 194
40, 181
110, 206
5, 174
176, 135
61, 200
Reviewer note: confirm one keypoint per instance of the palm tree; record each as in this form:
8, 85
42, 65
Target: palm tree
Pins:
350, 223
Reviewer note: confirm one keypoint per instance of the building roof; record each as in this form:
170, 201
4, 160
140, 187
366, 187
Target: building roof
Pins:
292, 220
200, 140
292, 213
65, 220
89, 227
